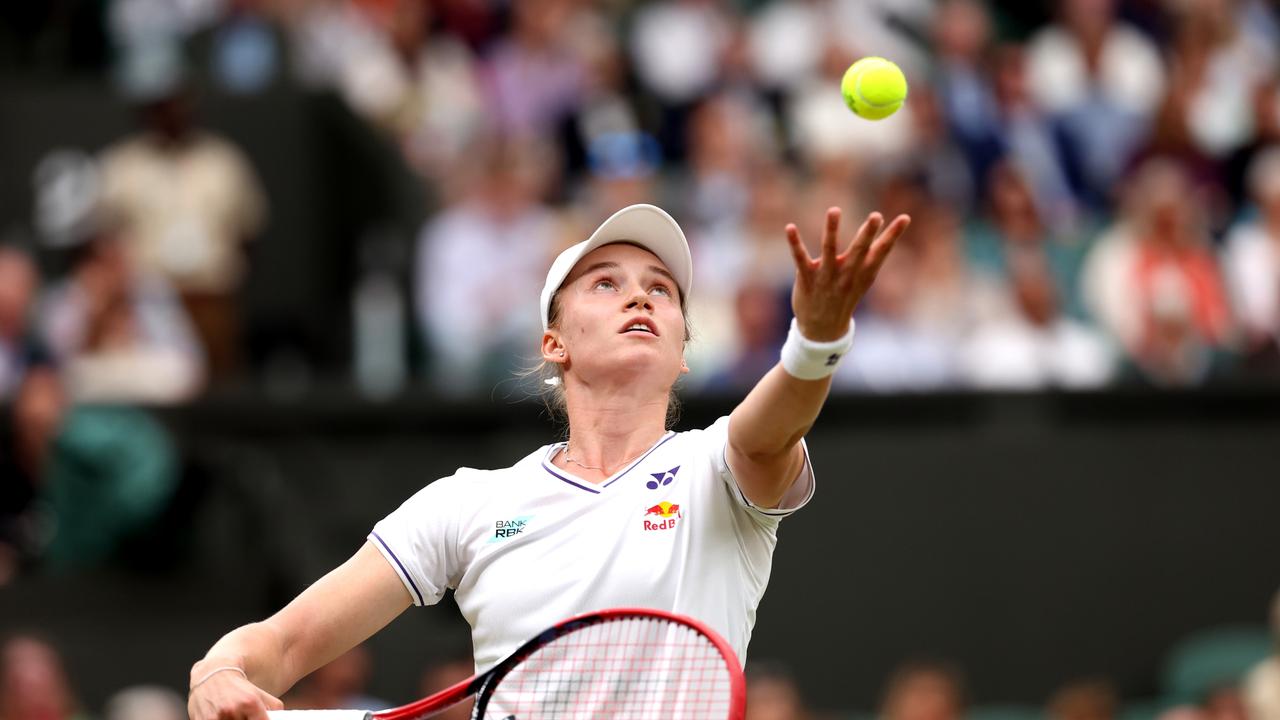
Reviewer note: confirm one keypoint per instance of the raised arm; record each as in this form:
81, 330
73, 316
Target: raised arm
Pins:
264, 659
765, 429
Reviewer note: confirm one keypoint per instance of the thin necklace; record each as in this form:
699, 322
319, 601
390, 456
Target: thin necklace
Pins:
597, 467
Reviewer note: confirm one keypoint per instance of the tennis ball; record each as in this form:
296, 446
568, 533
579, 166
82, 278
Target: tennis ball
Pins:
873, 88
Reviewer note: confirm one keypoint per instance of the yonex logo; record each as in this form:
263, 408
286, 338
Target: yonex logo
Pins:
662, 479
835, 358
507, 529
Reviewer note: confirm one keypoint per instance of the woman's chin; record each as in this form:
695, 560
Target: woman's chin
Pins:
632, 363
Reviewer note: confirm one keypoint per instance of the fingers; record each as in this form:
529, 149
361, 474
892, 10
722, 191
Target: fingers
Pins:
866, 234
231, 698
829, 238
883, 245
799, 254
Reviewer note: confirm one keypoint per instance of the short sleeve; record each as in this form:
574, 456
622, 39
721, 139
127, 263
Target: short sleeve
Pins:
797, 496
420, 539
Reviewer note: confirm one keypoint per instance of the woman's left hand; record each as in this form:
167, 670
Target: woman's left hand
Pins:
828, 288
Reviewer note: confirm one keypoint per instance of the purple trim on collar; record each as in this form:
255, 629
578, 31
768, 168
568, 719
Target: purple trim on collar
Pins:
404, 572
558, 475
548, 467
640, 459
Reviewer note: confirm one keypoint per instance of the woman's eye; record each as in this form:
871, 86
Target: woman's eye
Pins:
604, 285
661, 290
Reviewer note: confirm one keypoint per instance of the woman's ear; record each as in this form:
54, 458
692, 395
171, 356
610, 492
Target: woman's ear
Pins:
684, 366
552, 350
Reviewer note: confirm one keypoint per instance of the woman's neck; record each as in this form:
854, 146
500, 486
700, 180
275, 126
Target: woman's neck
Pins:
609, 428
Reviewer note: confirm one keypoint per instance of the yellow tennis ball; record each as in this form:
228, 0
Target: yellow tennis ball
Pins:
873, 88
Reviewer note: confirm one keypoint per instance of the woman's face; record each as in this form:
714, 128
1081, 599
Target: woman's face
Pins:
619, 314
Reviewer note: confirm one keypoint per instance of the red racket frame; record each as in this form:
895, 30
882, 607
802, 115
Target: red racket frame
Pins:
480, 684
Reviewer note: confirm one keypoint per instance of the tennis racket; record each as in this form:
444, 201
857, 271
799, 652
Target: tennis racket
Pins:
622, 664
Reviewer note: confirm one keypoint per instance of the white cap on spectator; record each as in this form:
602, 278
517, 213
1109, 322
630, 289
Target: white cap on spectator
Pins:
649, 227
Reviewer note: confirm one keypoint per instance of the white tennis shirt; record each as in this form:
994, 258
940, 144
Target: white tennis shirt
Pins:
527, 546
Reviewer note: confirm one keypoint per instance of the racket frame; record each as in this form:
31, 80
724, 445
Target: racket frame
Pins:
483, 685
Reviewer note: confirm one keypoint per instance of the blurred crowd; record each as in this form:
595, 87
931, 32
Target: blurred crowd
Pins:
1202, 683
1095, 183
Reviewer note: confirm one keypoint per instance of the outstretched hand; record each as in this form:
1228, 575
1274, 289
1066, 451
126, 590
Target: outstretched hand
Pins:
230, 696
828, 287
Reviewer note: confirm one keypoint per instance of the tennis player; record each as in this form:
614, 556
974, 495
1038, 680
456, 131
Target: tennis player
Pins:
626, 512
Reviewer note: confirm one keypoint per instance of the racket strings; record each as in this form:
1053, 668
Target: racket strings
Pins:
626, 669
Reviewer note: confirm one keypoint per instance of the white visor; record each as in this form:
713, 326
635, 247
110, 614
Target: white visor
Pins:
645, 225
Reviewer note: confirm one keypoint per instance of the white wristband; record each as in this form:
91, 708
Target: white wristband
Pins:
810, 360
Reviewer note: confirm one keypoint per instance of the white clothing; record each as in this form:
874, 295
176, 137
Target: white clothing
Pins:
1262, 690
1014, 354
475, 272
677, 46
527, 546
1251, 264
186, 210
890, 356
1131, 74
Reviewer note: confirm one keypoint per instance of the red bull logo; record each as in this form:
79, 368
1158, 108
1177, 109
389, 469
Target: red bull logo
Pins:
669, 512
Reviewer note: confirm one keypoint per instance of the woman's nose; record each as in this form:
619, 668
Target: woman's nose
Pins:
640, 299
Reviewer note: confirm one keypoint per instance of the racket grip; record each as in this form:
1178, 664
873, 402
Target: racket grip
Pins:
319, 715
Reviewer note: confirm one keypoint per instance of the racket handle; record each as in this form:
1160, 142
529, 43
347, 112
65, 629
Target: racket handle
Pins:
319, 714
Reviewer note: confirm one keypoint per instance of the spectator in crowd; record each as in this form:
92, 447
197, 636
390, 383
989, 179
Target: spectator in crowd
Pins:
33, 682
786, 41
1014, 228
677, 47
19, 282
937, 159
1030, 140
1218, 64
145, 702
948, 298
1225, 703
606, 106
748, 249
445, 674
1266, 124
1262, 685
962, 36
478, 260
102, 474
1103, 78
726, 134
340, 47
1251, 265
1084, 700
25, 441
119, 333
1036, 347
533, 75
442, 110
773, 694
760, 314
622, 170
340, 684
924, 691
893, 354
186, 201
1153, 284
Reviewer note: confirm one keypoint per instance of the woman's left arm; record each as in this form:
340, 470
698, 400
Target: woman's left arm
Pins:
765, 429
